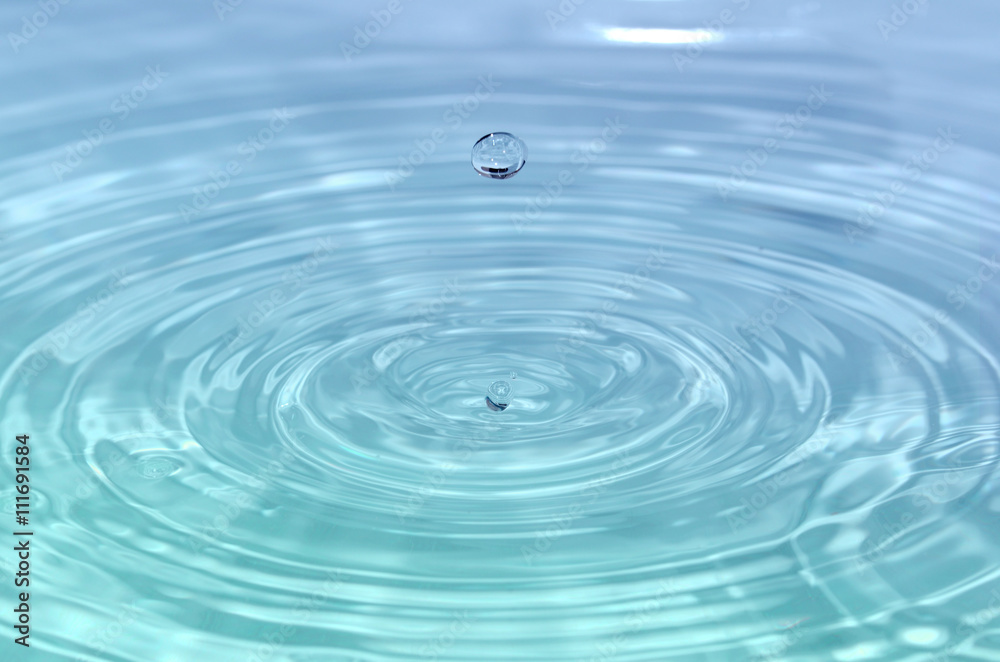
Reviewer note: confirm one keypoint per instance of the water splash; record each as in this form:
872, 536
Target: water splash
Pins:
499, 395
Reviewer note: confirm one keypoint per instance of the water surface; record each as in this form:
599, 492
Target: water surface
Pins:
255, 298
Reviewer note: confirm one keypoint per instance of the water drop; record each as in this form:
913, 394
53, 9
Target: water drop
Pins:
499, 155
498, 398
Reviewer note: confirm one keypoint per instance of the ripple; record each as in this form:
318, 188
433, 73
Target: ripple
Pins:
743, 419
153, 467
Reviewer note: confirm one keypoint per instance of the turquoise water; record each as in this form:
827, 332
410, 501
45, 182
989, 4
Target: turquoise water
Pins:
742, 294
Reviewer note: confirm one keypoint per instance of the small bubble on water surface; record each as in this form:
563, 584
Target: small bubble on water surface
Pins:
499, 396
498, 155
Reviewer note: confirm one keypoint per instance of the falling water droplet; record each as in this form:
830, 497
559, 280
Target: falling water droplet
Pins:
499, 396
499, 155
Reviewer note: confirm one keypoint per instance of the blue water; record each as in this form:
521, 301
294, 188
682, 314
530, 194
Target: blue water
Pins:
255, 296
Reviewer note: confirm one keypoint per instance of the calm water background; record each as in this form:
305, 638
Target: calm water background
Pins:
254, 295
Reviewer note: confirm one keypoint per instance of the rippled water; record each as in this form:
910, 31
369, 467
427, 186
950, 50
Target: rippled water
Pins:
255, 299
